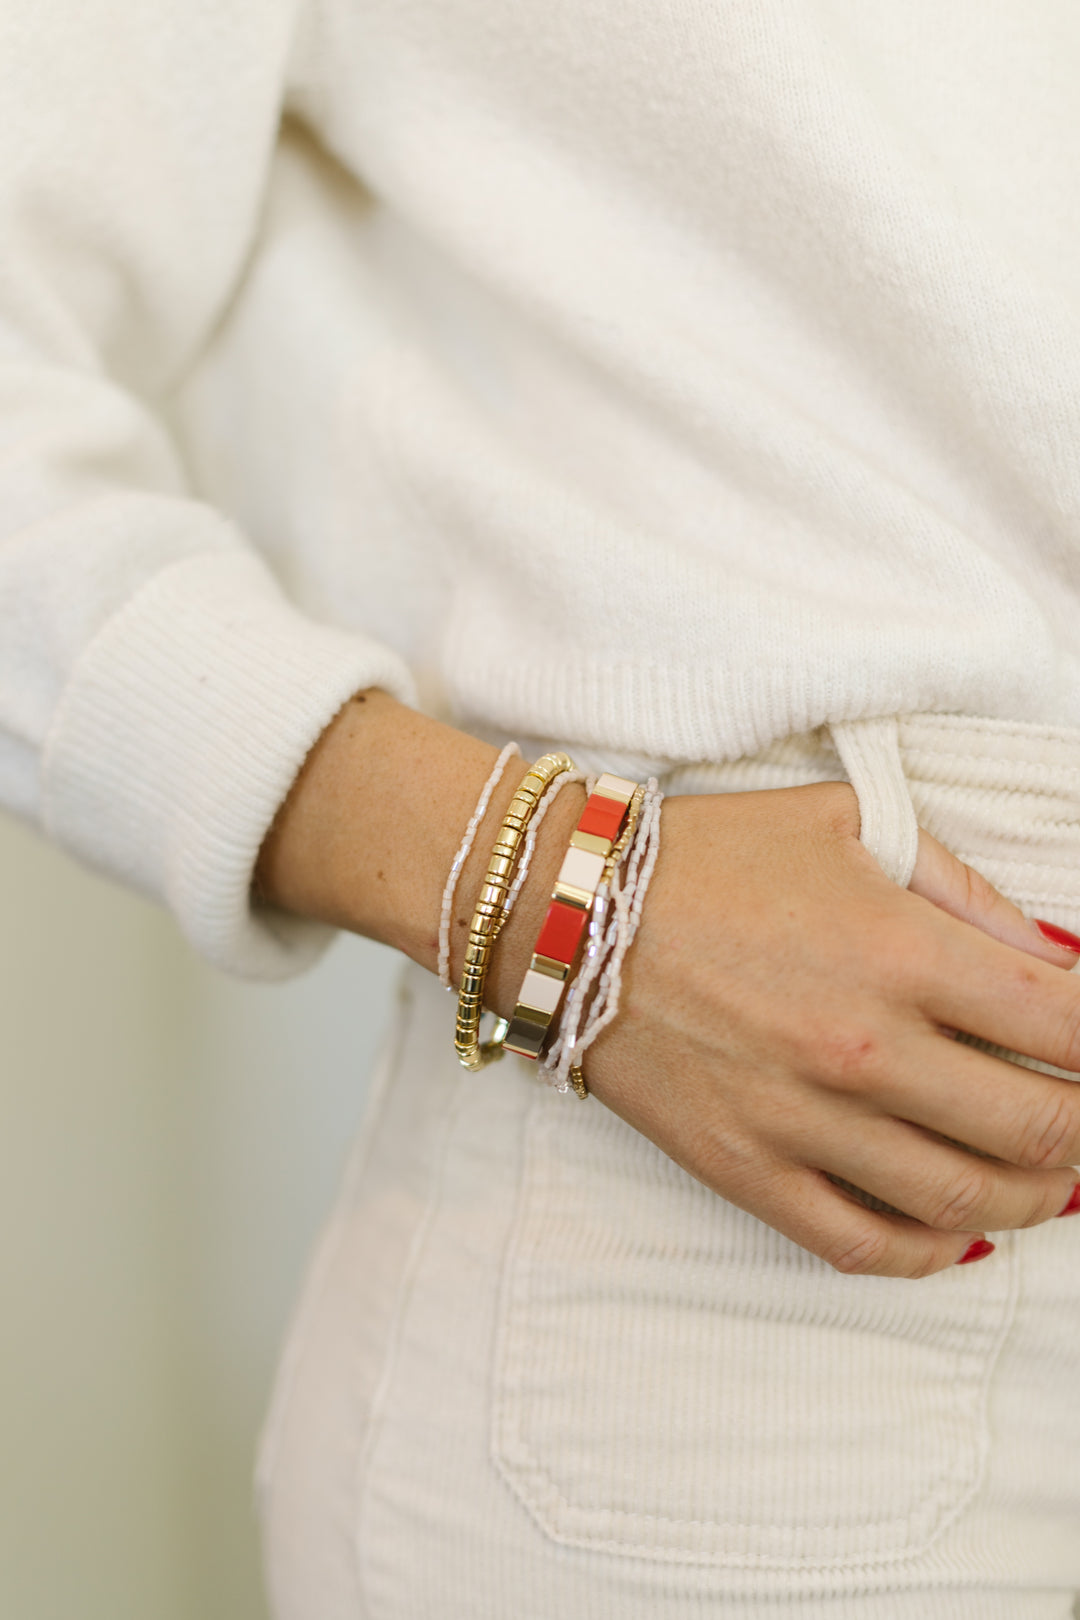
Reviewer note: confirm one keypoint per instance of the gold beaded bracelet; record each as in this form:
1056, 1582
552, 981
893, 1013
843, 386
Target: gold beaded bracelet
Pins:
490, 913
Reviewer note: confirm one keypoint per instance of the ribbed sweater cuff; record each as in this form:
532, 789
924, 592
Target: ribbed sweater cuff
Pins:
179, 735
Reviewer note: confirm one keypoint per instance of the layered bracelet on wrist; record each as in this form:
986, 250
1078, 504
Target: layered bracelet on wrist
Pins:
558, 945
491, 911
571, 988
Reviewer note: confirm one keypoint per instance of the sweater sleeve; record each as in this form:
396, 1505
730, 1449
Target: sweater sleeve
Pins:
158, 693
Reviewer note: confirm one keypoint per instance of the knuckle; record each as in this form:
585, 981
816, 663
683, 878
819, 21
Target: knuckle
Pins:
849, 1059
864, 1256
1048, 1137
960, 1202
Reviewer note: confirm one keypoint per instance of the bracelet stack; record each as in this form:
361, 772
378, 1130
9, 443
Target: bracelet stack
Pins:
591, 919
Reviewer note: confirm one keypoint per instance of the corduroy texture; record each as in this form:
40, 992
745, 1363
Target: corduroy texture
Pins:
541, 1371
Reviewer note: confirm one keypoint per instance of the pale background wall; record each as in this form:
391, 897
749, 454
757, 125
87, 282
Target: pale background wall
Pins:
169, 1140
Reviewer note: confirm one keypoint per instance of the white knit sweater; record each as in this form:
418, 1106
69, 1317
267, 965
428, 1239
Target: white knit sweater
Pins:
663, 377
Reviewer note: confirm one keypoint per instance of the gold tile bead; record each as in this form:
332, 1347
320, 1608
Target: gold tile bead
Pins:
550, 966
581, 898
591, 842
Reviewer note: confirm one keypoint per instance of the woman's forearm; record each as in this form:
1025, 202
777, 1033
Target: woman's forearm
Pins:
368, 832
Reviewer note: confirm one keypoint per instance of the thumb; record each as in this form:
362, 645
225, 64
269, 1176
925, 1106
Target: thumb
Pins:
964, 893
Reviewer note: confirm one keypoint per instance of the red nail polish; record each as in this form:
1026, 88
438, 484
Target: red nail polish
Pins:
1058, 936
1073, 1206
976, 1251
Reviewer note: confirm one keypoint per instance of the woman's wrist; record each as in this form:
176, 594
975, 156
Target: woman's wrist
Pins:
370, 825
366, 836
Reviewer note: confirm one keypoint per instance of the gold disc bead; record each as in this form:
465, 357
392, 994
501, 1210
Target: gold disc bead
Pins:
490, 913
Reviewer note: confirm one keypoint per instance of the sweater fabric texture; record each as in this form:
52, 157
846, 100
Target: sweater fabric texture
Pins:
669, 380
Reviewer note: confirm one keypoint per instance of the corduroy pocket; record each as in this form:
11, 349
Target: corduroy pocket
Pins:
674, 1380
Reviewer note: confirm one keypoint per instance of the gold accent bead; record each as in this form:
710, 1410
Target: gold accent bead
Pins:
581, 898
550, 966
592, 842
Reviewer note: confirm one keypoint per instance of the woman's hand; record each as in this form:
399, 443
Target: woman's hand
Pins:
786, 1011
786, 1017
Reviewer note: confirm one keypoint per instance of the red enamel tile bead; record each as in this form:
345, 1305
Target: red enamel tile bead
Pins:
602, 817
561, 934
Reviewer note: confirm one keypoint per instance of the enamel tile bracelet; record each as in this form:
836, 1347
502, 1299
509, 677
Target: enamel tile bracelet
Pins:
592, 1000
599, 839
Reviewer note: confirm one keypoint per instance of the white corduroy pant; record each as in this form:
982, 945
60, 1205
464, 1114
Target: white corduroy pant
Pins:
539, 1373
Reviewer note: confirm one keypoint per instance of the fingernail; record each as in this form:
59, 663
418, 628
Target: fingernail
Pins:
976, 1251
1073, 1206
1058, 936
